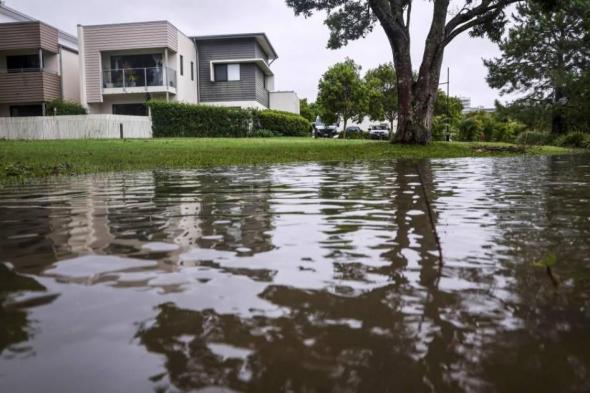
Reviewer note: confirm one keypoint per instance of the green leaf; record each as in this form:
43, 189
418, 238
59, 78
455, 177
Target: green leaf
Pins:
549, 260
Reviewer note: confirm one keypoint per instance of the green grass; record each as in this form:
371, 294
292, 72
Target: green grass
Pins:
23, 159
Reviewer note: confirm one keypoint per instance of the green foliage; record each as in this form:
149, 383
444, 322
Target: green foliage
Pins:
174, 119
574, 139
546, 57
447, 111
262, 133
309, 110
63, 108
489, 127
341, 93
284, 123
532, 138
381, 89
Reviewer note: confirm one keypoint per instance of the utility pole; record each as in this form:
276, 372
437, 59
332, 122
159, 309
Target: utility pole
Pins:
448, 122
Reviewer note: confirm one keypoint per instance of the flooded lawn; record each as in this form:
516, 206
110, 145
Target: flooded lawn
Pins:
300, 278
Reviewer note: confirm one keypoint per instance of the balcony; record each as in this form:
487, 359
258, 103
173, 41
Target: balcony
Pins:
139, 80
28, 85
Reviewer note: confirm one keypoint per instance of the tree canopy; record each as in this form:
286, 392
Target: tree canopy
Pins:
382, 103
341, 93
545, 57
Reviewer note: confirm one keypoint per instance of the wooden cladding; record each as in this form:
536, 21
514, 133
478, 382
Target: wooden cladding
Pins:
120, 37
28, 35
29, 87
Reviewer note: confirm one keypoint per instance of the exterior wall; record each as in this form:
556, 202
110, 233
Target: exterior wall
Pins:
106, 107
70, 75
75, 127
97, 39
28, 35
237, 104
286, 101
4, 110
247, 89
29, 87
186, 89
261, 91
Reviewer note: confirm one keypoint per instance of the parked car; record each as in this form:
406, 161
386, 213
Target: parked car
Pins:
321, 130
380, 131
352, 132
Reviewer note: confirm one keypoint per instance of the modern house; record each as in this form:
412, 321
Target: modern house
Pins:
125, 65
38, 63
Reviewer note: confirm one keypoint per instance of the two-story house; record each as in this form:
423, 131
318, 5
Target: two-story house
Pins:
38, 63
125, 65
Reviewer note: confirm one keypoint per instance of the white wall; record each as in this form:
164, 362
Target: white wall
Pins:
286, 101
106, 107
186, 90
70, 75
75, 127
236, 104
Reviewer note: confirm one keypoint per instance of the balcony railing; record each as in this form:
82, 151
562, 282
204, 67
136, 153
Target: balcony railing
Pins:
139, 77
24, 70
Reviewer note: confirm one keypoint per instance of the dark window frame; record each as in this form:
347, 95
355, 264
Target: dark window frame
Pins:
220, 72
181, 65
140, 109
29, 110
192, 71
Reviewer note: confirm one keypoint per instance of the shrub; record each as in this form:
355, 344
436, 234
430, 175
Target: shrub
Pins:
283, 123
532, 138
470, 129
262, 133
573, 139
63, 108
174, 119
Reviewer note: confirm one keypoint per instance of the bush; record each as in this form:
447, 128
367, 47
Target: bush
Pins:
283, 123
261, 133
174, 119
63, 108
573, 139
532, 138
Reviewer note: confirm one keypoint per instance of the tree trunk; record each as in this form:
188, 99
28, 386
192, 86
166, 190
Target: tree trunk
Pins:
344, 129
558, 124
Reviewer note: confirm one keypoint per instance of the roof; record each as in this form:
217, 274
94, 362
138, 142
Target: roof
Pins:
262, 39
20, 17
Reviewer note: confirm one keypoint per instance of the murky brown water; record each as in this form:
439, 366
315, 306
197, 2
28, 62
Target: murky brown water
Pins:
299, 278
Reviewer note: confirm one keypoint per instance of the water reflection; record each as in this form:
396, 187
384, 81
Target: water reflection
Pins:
300, 278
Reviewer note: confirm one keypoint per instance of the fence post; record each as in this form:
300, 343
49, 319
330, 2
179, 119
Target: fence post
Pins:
121, 130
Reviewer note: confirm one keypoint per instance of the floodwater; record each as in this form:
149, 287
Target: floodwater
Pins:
300, 278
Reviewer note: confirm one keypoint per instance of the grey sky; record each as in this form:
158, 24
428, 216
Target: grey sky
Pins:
300, 42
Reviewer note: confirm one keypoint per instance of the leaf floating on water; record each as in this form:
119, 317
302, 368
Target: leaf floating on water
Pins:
548, 261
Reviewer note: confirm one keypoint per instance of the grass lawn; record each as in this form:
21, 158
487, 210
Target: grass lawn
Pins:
22, 159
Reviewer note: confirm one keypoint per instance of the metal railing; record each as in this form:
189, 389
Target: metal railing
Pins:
139, 77
24, 70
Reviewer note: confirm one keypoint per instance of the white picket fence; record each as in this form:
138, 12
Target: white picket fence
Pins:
76, 127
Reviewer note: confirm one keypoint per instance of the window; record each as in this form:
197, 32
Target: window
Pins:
26, 110
226, 72
130, 109
192, 71
23, 63
181, 65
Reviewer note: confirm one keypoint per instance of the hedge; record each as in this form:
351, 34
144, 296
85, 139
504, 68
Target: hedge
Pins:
284, 123
63, 108
174, 119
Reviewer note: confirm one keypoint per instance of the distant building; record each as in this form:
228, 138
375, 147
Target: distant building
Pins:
467, 108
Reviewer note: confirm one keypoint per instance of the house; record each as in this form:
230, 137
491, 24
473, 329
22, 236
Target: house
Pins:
38, 63
125, 65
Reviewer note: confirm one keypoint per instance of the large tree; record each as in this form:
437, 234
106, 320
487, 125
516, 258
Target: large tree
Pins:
353, 19
545, 57
341, 93
382, 102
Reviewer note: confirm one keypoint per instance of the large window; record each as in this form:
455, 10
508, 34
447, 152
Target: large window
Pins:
134, 71
130, 109
23, 63
26, 110
226, 72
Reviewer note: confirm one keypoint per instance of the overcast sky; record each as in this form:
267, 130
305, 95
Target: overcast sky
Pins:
300, 42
